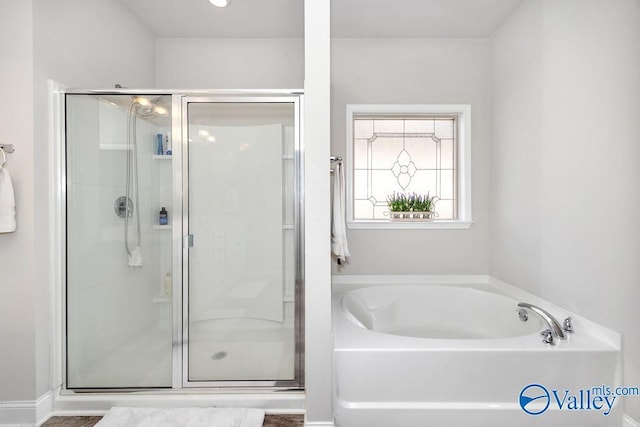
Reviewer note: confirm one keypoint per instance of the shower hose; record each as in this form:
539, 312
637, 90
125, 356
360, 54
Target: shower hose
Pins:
132, 178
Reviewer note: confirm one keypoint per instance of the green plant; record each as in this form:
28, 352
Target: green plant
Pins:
411, 202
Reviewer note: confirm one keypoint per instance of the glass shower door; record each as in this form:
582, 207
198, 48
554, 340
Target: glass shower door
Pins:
118, 255
242, 228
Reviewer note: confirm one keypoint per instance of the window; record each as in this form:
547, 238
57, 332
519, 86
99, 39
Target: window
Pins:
421, 149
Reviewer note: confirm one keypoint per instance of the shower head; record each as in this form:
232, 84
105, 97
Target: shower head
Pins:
141, 101
145, 107
145, 112
160, 110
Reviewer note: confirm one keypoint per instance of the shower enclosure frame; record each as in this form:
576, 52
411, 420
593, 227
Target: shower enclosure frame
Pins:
180, 245
182, 159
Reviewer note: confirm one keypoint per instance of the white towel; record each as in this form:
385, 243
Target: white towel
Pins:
339, 245
7, 203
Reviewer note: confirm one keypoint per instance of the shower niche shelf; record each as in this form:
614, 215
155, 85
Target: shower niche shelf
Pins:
107, 146
162, 157
161, 227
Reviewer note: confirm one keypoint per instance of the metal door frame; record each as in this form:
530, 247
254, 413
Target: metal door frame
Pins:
181, 244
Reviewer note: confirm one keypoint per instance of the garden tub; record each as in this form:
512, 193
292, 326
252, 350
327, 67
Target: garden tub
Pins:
459, 355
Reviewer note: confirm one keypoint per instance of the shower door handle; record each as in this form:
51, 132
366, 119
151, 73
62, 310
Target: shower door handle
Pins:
188, 241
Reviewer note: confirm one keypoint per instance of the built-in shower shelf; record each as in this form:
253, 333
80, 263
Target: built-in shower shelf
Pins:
161, 227
115, 147
162, 157
162, 299
287, 227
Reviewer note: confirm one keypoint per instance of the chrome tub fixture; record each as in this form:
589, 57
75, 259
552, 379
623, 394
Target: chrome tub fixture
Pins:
555, 331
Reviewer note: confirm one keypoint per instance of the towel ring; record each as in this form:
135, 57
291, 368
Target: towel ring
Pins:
4, 158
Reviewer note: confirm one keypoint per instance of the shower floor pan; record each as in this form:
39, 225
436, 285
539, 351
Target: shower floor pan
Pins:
219, 350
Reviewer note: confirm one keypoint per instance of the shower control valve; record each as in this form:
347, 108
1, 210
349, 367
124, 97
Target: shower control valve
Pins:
123, 206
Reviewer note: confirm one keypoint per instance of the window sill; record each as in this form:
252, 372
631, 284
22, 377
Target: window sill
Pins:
414, 225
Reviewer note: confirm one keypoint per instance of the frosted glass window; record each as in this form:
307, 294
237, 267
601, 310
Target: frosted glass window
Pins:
405, 154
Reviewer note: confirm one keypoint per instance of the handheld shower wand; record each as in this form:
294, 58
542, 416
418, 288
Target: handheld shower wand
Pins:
135, 254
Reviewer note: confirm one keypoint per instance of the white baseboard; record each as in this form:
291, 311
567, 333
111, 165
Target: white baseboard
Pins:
319, 424
44, 408
17, 413
627, 421
26, 413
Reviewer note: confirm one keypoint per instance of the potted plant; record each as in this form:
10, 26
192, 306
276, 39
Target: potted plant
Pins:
411, 206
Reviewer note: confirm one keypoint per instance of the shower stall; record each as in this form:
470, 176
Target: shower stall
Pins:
183, 249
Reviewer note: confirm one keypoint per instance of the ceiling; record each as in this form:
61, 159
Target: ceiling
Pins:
350, 18
419, 18
242, 19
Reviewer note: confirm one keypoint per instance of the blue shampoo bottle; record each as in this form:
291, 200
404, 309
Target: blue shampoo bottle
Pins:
159, 139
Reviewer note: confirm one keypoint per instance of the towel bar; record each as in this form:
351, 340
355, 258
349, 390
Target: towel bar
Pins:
7, 148
336, 159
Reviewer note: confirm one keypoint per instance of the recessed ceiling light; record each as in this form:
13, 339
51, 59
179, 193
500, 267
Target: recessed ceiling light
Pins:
220, 3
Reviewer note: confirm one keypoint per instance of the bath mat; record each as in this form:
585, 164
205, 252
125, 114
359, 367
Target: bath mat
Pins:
182, 417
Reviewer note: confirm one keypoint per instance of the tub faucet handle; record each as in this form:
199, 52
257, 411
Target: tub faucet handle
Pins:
567, 325
547, 337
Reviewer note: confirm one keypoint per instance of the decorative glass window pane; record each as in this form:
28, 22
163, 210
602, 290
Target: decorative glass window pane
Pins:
406, 155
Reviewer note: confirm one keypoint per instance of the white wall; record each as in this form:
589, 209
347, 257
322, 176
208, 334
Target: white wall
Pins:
186, 63
565, 200
516, 138
17, 279
317, 269
417, 71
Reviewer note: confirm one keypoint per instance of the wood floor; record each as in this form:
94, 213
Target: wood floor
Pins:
269, 421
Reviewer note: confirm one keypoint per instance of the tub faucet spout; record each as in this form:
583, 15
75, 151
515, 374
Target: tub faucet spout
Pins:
554, 325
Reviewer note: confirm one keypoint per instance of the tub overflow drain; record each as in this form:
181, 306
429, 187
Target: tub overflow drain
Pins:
219, 355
